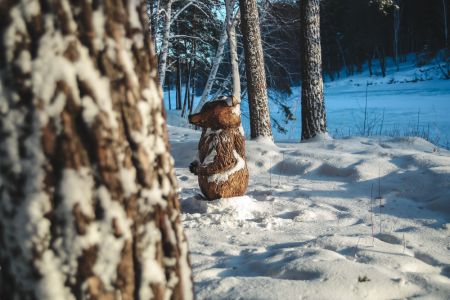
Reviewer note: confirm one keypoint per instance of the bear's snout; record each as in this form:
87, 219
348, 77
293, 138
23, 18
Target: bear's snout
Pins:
195, 119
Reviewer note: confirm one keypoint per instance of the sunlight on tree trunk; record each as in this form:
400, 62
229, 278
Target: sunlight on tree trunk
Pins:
256, 75
88, 203
313, 108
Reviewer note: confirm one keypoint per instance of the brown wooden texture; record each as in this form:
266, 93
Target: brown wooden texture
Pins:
221, 168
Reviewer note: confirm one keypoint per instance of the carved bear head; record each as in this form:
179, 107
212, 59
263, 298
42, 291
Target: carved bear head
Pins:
223, 113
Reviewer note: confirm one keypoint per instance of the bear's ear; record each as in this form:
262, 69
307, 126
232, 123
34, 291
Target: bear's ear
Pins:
233, 101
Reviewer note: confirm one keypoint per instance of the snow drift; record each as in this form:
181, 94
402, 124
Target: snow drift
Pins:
356, 218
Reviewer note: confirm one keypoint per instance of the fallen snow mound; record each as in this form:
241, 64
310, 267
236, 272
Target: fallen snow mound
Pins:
230, 212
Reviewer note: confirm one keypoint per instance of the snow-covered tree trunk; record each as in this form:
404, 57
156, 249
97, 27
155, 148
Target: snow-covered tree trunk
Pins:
215, 63
88, 204
254, 67
153, 16
313, 107
162, 67
232, 42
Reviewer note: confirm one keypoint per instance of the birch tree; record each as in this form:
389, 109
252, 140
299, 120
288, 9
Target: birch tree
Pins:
229, 4
313, 107
88, 204
232, 42
162, 67
255, 73
170, 17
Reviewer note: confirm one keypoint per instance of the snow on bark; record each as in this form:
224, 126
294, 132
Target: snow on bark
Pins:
165, 42
215, 64
313, 107
232, 42
88, 205
254, 66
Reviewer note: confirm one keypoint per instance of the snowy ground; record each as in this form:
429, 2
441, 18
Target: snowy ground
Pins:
411, 101
304, 228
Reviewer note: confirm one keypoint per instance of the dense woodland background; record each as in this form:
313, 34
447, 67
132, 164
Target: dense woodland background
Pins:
353, 33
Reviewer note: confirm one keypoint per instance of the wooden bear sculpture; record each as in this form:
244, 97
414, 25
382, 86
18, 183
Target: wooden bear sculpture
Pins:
221, 166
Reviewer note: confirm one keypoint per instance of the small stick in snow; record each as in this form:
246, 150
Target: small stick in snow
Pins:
380, 214
404, 243
379, 194
379, 183
356, 248
371, 214
270, 172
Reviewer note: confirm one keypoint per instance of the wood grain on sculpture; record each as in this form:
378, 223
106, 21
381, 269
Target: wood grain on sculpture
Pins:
220, 166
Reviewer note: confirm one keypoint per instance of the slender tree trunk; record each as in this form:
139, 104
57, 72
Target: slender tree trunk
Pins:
444, 7
215, 65
342, 54
183, 110
256, 76
313, 107
187, 90
178, 85
153, 10
191, 105
169, 85
88, 203
396, 30
232, 41
382, 60
165, 42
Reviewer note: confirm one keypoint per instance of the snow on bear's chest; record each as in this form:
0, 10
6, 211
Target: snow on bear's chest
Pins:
211, 155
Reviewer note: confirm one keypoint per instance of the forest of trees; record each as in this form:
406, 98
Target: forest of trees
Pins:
353, 32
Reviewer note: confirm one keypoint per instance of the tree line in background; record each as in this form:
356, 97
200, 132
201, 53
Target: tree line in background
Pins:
353, 32
357, 32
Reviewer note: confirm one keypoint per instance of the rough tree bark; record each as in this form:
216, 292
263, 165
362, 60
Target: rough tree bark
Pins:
254, 67
88, 204
313, 107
